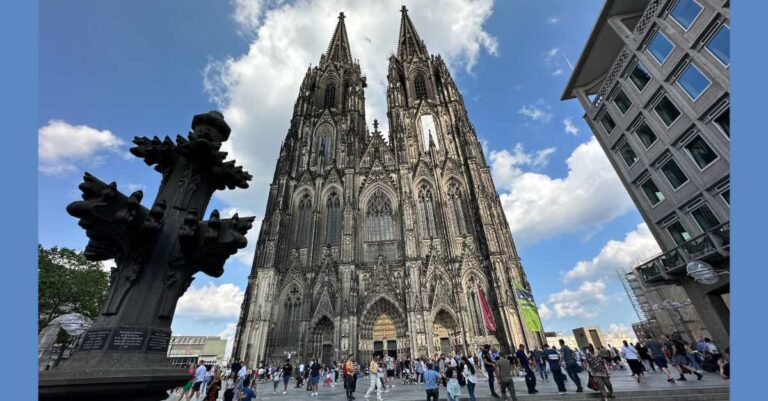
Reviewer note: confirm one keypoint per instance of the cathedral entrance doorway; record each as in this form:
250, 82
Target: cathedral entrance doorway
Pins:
321, 341
446, 335
382, 331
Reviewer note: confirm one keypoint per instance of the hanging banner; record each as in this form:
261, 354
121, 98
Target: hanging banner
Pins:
527, 308
488, 319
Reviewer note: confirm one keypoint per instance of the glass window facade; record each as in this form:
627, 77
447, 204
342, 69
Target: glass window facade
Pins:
701, 152
607, 122
629, 155
705, 218
720, 45
693, 81
667, 111
674, 174
723, 121
622, 102
686, 12
645, 135
652, 192
726, 195
639, 76
660, 47
678, 233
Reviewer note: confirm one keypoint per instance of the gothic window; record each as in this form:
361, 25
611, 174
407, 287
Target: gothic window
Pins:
304, 221
333, 219
324, 148
288, 332
428, 131
457, 207
330, 95
426, 212
380, 220
421, 87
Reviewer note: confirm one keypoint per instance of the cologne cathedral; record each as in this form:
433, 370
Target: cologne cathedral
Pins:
373, 246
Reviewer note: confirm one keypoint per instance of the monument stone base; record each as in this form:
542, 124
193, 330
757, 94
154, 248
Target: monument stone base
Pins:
113, 376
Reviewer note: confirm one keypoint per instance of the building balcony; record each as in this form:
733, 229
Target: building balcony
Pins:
711, 246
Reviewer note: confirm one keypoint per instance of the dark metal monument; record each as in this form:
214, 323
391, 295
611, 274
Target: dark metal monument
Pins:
157, 252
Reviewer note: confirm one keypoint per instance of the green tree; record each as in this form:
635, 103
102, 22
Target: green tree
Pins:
69, 283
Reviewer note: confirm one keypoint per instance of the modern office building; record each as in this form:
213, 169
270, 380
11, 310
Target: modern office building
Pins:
184, 350
653, 80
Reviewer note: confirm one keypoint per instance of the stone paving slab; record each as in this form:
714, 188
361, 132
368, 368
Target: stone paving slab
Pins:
711, 387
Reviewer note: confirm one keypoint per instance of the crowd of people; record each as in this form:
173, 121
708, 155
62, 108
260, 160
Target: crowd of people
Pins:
459, 372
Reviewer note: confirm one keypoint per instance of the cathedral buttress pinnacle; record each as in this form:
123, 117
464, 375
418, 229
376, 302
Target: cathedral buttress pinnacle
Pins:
409, 43
338, 50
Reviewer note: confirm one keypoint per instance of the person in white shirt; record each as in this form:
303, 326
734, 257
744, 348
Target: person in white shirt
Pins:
468, 370
241, 377
629, 353
199, 380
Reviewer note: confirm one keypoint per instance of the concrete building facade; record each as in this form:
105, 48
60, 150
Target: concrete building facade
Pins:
372, 246
653, 80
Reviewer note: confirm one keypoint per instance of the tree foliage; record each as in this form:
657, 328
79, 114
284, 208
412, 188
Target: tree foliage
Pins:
69, 283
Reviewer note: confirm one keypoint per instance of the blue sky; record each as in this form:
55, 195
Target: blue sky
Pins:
112, 70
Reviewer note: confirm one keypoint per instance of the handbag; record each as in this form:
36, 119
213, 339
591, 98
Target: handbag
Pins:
592, 383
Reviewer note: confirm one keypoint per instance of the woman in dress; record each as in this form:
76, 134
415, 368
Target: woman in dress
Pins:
187, 387
597, 366
633, 360
214, 388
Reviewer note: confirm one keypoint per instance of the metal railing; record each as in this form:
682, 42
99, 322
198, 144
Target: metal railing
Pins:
665, 266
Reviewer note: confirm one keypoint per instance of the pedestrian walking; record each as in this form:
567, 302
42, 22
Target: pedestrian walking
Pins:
525, 364
656, 349
572, 366
679, 360
490, 367
468, 371
553, 359
629, 353
431, 379
645, 356
598, 368
537, 356
314, 376
373, 368
229, 386
286, 373
504, 369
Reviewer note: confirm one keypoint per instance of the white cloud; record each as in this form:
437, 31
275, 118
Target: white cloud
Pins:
637, 245
536, 112
557, 72
618, 328
211, 302
507, 165
570, 127
588, 196
554, 20
256, 90
136, 187
584, 302
61, 147
229, 334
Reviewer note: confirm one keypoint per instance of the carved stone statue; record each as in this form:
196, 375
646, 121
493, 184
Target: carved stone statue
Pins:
157, 252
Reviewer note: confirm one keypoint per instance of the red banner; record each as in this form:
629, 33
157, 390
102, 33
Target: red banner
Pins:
488, 319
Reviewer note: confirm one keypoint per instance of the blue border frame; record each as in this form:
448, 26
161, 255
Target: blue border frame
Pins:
18, 32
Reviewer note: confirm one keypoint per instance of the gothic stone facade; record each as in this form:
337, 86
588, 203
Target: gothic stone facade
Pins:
371, 245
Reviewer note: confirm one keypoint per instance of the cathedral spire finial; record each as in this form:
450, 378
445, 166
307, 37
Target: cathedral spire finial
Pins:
409, 42
338, 50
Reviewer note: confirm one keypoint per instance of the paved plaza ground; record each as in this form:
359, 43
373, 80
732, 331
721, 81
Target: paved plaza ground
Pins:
711, 387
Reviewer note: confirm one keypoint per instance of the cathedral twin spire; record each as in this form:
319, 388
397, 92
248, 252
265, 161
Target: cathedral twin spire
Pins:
409, 43
338, 49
